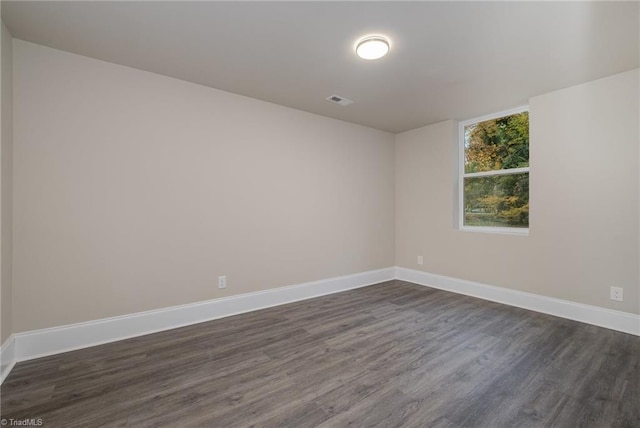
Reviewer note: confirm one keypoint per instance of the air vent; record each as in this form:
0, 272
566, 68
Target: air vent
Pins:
337, 99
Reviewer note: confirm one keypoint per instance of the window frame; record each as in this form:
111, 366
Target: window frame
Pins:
462, 175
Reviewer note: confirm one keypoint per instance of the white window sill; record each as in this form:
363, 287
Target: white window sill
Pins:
519, 231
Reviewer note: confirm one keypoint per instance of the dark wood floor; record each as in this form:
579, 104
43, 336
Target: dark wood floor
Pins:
393, 354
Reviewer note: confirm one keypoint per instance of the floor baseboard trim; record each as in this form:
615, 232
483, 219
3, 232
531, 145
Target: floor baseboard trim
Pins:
7, 357
601, 317
50, 341
56, 340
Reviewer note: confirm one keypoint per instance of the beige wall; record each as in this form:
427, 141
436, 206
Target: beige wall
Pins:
134, 191
584, 201
6, 186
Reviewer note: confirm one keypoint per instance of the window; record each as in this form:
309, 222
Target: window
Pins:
494, 173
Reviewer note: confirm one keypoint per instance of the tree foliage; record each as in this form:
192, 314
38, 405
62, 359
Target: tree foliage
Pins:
497, 144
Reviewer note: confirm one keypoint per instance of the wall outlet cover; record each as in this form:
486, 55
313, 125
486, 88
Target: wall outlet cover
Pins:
222, 281
616, 293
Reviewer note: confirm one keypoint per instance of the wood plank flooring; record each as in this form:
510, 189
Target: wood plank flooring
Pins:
391, 355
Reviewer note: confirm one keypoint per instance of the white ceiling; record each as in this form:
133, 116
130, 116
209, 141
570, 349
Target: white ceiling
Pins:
448, 59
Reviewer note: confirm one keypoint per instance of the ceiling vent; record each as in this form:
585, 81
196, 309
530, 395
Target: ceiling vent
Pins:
337, 99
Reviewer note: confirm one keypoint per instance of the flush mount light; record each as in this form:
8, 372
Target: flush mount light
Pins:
372, 47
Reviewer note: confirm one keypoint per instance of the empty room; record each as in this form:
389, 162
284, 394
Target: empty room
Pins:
320, 214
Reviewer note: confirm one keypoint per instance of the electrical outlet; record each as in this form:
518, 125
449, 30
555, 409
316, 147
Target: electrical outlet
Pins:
420, 260
222, 281
616, 294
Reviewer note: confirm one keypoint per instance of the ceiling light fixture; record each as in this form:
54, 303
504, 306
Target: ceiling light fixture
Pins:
372, 47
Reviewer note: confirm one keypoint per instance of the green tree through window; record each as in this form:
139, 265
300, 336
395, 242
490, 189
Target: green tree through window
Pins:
496, 172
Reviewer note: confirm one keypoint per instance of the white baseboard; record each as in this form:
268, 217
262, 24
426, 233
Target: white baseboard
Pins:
602, 317
7, 357
40, 343
55, 340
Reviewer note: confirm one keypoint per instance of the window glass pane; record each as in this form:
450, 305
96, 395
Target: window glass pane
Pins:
497, 201
500, 143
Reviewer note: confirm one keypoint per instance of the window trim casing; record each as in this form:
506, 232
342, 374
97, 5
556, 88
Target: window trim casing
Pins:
461, 175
